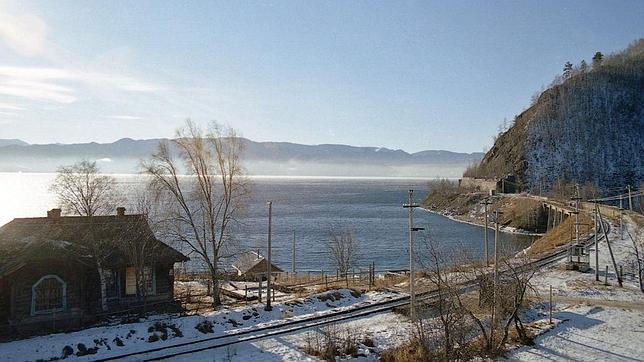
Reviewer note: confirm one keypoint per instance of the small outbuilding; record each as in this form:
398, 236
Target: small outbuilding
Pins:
250, 264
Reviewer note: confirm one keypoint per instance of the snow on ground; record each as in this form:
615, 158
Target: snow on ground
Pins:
568, 283
589, 333
386, 330
593, 321
166, 330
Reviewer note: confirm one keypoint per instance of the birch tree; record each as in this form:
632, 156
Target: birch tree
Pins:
199, 178
82, 190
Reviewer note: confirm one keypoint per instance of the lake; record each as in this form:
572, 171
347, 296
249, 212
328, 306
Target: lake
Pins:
310, 208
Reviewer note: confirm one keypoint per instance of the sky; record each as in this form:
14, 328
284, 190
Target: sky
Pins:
411, 75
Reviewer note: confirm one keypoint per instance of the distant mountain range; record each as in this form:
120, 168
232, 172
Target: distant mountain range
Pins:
262, 158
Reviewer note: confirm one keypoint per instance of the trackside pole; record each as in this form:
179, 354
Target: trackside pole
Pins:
550, 304
412, 293
596, 246
610, 249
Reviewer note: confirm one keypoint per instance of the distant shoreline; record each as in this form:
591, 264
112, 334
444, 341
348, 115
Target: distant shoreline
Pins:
302, 177
503, 229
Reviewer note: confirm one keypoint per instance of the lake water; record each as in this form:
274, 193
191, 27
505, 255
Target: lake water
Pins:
310, 208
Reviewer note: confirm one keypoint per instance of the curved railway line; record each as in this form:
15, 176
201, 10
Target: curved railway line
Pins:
185, 348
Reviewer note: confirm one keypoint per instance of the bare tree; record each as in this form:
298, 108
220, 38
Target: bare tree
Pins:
451, 315
463, 318
82, 190
342, 250
137, 240
203, 206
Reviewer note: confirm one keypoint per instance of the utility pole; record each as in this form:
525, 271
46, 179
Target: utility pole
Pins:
496, 268
621, 217
412, 294
630, 199
487, 254
268, 265
596, 245
576, 198
610, 249
293, 262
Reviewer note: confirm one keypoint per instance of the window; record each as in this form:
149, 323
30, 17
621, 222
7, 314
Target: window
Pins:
130, 281
148, 282
111, 283
48, 295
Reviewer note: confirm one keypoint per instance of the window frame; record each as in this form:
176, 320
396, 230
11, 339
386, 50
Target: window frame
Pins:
152, 280
63, 295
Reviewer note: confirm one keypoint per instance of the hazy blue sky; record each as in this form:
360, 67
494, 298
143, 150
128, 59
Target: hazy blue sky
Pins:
401, 74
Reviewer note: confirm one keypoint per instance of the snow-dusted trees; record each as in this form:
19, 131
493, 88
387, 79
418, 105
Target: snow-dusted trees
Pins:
586, 128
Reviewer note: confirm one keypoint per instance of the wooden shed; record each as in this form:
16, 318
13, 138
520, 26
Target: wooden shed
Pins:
250, 264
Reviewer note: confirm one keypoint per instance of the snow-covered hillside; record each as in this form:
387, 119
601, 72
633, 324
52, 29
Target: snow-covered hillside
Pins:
588, 127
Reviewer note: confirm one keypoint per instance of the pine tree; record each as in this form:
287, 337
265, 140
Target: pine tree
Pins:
567, 70
583, 67
597, 60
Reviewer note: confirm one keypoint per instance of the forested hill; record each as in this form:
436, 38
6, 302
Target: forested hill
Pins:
587, 127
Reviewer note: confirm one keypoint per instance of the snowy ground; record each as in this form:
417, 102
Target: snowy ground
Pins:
589, 333
166, 330
593, 321
385, 330
573, 284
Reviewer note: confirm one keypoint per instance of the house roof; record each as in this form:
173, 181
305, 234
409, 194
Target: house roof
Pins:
28, 239
248, 259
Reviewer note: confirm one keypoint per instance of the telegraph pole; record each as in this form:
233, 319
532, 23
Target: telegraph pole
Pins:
487, 255
496, 267
576, 198
268, 266
621, 217
293, 247
412, 294
630, 199
596, 245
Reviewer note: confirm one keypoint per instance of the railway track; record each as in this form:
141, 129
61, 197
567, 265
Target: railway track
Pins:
185, 348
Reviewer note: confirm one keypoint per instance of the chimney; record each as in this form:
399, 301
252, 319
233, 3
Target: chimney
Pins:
120, 211
53, 214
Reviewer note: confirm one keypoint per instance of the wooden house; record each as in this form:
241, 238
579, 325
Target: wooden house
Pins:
49, 268
250, 264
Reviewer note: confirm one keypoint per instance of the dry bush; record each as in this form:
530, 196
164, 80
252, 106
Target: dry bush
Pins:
332, 342
412, 351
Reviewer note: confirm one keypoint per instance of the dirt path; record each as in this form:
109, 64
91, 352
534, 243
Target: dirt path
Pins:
603, 302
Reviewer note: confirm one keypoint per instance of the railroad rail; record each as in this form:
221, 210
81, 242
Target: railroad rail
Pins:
184, 348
